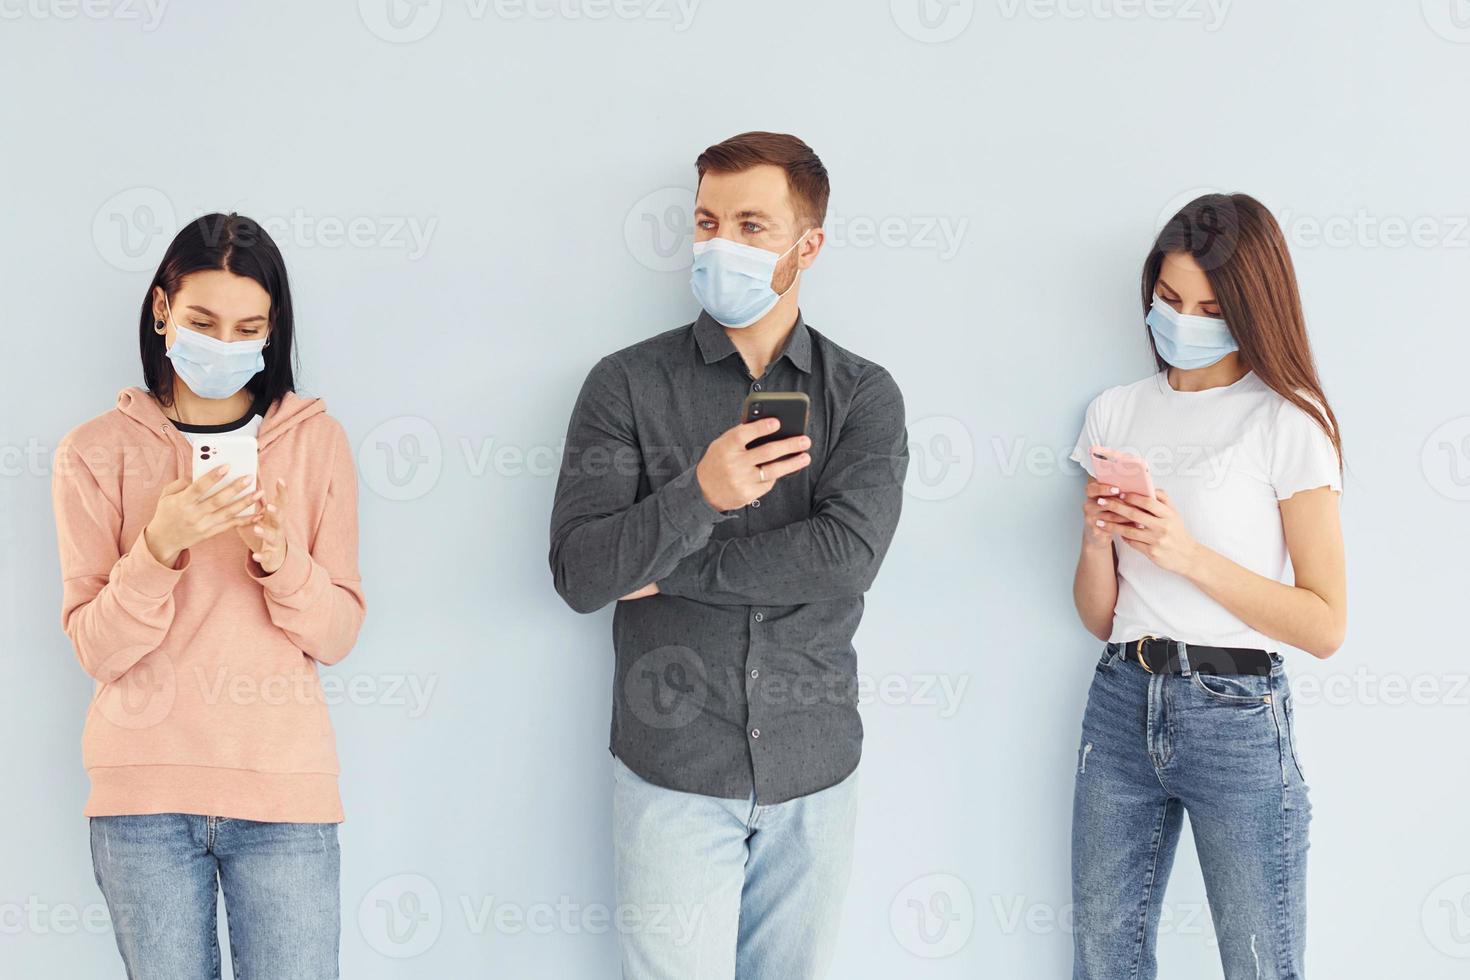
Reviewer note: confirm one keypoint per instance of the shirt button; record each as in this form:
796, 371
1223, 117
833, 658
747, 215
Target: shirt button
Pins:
755, 503
756, 386
755, 672
755, 733
760, 617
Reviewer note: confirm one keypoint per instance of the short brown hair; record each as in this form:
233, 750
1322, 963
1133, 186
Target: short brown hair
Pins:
805, 175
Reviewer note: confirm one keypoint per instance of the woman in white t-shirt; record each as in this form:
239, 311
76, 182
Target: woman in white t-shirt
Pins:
1189, 708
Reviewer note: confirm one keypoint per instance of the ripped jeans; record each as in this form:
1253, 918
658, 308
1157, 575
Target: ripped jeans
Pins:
1220, 747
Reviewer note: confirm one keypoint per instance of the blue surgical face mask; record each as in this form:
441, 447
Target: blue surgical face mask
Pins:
213, 368
733, 281
1188, 342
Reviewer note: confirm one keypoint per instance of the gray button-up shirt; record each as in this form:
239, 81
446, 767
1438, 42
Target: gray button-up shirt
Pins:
741, 673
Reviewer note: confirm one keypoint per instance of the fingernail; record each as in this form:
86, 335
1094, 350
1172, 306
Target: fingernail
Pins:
1102, 501
1098, 523
1115, 490
271, 508
1139, 526
254, 556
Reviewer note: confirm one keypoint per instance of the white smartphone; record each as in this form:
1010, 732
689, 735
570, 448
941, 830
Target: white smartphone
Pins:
238, 452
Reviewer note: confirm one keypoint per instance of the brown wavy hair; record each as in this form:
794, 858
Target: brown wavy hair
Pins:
1242, 251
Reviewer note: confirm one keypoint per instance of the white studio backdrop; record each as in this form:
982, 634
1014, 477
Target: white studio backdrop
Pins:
479, 198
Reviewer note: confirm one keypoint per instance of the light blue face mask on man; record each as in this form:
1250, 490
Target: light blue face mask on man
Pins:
1188, 342
733, 281
213, 368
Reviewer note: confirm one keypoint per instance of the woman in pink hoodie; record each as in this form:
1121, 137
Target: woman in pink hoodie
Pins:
203, 620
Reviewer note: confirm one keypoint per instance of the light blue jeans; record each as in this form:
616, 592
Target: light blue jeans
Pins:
713, 889
158, 874
1221, 748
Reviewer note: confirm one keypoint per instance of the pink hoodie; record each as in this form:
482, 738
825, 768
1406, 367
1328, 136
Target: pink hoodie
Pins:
207, 697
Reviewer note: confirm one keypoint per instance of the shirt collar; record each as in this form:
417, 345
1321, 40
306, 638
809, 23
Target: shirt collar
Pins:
715, 344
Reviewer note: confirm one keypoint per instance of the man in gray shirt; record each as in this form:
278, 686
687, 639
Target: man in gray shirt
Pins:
739, 575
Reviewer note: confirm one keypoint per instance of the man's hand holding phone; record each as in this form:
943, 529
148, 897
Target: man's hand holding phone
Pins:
731, 474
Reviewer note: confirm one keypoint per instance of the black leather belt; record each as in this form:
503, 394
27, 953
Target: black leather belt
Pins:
1160, 655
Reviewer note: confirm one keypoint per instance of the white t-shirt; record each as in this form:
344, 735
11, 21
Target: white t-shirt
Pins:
1226, 457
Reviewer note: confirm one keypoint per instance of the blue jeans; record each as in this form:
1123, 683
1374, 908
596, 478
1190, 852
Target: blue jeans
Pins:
1221, 748
714, 889
158, 874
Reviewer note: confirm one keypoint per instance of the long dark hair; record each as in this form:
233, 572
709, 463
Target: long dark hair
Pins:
235, 244
1242, 251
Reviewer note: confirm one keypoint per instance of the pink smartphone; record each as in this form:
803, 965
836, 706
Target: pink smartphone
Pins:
1125, 471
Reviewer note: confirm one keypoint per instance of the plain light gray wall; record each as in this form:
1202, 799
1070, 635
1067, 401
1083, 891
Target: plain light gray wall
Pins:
477, 201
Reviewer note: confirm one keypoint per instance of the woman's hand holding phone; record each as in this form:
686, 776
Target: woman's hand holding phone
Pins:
266, 534
1152, 526
1102, 523
190, 512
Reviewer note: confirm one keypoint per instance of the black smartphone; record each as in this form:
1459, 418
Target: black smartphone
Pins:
793, 408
